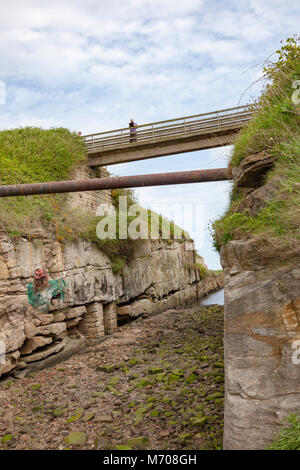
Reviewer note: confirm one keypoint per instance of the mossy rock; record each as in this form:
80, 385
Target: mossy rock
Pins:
143, 383
138, 419
6, 438
36, 387
58, 412
101, 443
219, 379
107, 369
111, 389
185, 436
133, 362
141, 410
138, 442
172, 378
149, 406
155, 370
97, 394
139, 415
37, 408
172, 423
151, 399
76, 438
122, 447
114, 380
179, 372
219, 365
8, 383
214, 396
88, 417
191, 378
133, 376
74, 418
199, 407
160, 377
178, 351
204, 358
198, 422
166, 400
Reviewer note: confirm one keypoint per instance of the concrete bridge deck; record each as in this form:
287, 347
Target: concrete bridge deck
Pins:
158, 139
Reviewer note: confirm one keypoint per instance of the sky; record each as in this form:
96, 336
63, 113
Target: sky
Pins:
92, 65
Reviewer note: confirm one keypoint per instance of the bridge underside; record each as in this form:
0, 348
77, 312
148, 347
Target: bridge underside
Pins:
142, 151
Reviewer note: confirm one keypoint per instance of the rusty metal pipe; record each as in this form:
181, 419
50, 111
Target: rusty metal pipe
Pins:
135, 181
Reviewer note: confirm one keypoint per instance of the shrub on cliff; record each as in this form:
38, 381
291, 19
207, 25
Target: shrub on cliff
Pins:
121, 250
274, 129
277, 119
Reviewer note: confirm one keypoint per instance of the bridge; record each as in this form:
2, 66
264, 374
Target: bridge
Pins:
158, 139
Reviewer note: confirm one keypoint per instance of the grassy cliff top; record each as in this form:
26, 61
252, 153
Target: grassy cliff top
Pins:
277, 121
275, 131
32, 154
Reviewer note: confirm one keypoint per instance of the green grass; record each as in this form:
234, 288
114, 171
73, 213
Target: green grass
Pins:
216, 272
271, 125
280, 217
288, 437
277, 119
30, 155
202, 270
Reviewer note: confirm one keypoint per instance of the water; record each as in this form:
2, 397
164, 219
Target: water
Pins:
215, 298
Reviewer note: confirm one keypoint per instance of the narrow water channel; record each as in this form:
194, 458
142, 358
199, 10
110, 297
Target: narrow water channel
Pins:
215, 298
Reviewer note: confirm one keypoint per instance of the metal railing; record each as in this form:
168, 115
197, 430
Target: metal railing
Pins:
207, 123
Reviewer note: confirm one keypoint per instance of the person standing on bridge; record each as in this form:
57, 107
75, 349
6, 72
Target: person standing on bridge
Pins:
132, 130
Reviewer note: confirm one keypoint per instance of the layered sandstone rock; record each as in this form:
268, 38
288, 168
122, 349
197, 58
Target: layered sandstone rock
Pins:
158, 277
262, 327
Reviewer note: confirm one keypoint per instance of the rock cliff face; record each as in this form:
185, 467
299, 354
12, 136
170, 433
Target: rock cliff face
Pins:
262, 325
157, 278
